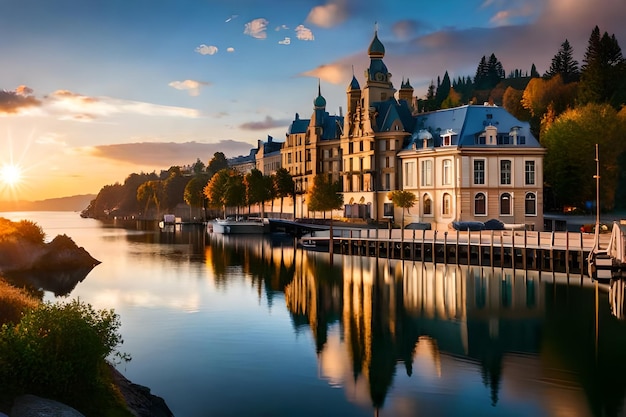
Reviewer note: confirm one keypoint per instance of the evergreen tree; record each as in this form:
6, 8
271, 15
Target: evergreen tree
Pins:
533, 72
563, 63
489, 73
443, 90
603, 73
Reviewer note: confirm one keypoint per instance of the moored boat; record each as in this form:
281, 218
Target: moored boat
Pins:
232, 226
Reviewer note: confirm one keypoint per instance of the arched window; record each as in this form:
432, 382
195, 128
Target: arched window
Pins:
428, 206
480, 208
505, 204
447, 204
530, 204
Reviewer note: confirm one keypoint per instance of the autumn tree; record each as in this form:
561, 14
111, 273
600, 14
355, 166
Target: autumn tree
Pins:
151, 192
569, 165
403, 199
217, 163
194, 190
259, 188
324, 195
225, 189
284, 186
512, 102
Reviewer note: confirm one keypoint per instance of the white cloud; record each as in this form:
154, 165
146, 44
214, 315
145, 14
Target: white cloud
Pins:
256, 28
285, 41
192, 86
230, 49
206, 49
281, 27
328, 15
304, 34
67, 104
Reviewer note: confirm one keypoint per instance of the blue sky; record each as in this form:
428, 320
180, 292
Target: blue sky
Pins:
95, 90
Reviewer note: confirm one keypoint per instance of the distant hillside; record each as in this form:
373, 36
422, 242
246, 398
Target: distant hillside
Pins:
73, 203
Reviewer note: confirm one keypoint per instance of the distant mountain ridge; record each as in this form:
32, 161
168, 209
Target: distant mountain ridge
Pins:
72, 203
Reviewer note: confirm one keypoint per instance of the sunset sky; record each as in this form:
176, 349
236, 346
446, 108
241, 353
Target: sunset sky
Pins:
92, 91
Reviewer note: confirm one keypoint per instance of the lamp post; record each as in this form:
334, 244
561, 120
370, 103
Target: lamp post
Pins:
597, 177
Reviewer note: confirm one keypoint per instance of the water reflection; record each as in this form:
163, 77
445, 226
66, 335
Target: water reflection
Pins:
531, 329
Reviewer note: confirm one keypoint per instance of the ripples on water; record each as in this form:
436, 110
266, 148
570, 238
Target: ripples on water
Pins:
234, 326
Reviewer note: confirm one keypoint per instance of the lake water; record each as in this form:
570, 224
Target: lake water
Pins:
249, 326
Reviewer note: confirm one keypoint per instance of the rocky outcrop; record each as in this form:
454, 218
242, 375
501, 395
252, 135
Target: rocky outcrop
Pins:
60, 254
33, 406
140, 401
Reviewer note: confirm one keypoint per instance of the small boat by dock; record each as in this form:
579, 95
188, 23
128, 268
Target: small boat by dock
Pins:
231, 226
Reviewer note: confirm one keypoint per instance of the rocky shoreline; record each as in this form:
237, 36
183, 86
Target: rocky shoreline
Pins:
58, 266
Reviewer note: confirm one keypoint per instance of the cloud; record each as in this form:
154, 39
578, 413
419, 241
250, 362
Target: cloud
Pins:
304, 34
407, 28
281, 27
230, 49
268, 123
232, 17
50, 138
159, 155
256, 28
535, 39
336, 73
206, 49
192, 86
328, 15
17, 101
66, 104
507, 16
285, 41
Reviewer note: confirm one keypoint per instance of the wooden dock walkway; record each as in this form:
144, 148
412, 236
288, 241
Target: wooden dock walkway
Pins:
543, 251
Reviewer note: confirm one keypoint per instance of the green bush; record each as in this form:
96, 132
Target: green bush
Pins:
60, 351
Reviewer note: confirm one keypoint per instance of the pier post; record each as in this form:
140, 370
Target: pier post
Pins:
491, 250
552, 252
469, 246
524, 253
434, 248
480, 248
445, 247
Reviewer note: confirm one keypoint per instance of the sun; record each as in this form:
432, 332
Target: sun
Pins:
10, 174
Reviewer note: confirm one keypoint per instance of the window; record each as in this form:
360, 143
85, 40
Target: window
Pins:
530, 172
409, 174
447, 204
479, 171
530, 204
428, 207
387, 185
361, 146
480, 208
447, 172
427, 174
505, 172
505, 204
388, 210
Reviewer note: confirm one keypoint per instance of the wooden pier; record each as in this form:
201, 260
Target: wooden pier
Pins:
544, 251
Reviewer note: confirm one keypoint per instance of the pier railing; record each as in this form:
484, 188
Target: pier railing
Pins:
553, 251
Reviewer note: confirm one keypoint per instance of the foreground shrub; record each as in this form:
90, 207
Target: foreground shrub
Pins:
14, 303
60, 351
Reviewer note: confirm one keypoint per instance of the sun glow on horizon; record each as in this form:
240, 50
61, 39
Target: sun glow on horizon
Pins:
10, 175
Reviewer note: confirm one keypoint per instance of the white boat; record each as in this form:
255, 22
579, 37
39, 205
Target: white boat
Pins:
233, 226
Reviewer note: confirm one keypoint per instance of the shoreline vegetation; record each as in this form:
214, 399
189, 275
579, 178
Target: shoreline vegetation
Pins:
64, 352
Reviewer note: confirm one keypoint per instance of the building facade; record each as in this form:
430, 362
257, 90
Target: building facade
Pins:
312, 147
469, 163
473, 163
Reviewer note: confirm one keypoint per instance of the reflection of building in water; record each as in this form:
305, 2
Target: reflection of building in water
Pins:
371, 314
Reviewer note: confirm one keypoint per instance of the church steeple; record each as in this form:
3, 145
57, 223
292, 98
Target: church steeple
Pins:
319, 107
377, 71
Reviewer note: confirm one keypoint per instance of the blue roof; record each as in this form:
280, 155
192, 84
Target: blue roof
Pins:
467, 123
298, 125
388, 112
332, 127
